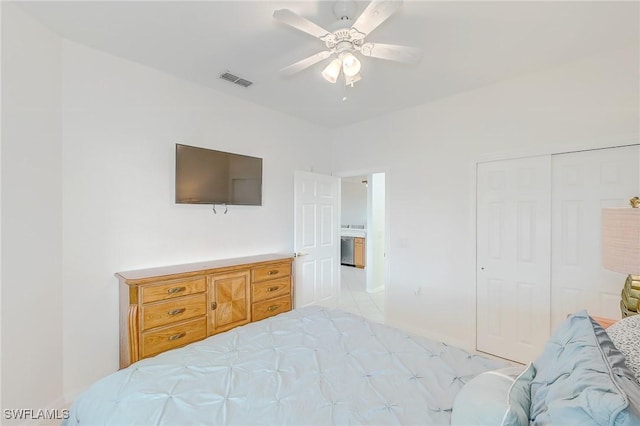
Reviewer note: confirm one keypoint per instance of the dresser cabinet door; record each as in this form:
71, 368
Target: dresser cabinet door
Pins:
229, 300
358, 252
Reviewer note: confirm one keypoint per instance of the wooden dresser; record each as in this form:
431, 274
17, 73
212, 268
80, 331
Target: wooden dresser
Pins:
167, 307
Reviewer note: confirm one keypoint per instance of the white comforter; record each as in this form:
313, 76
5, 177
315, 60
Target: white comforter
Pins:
308, 366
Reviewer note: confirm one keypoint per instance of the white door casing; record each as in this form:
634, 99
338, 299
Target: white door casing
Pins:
317, 241
513, 257
583, 183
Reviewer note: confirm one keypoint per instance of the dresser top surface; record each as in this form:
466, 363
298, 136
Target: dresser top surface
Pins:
186, 268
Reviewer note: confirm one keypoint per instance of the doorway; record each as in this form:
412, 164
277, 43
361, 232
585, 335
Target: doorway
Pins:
363, 235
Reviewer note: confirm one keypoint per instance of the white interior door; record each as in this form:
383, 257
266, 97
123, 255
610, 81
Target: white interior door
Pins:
513, 257
583, 183
317, 241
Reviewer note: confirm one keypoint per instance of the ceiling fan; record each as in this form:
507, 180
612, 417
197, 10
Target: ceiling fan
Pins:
343, 43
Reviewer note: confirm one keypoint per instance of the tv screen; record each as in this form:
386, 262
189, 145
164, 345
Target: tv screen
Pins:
206, 176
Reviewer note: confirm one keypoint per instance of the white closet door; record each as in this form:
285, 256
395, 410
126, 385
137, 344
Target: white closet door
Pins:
582, 184
513, 257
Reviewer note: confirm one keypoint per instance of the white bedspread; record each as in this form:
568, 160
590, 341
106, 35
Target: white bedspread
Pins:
308, 366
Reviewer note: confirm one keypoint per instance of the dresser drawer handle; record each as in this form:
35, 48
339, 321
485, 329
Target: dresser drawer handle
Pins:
274, 272
272, 308
175, 290
177, 336
176, 311
274, 288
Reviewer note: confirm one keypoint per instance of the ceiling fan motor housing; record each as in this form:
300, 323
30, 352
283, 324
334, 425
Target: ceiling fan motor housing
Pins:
344, 39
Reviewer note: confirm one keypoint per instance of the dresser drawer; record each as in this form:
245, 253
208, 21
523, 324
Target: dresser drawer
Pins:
167, 338
171, 289
266, 273
170, 311
269, 308
270, 289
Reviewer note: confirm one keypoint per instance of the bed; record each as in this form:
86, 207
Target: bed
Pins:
323, 366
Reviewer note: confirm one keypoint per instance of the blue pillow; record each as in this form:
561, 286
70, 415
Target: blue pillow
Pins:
520, 399
499, 397
581, 379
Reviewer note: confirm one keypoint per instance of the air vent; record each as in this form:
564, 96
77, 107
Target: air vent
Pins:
235, 79
244, 83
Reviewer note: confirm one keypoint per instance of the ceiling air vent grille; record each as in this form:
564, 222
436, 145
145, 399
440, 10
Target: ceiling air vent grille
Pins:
244, 83
235, 79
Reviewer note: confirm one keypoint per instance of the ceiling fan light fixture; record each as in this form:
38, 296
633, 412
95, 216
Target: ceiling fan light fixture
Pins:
348, 81
350, 64
332, 71
348, 38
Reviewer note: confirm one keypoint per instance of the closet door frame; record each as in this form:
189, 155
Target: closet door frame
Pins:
608, 275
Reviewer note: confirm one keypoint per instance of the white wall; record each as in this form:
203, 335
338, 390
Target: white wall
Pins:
87, 190
120, 125
31, 214
353, 209
375, 242
430, 151
1, 209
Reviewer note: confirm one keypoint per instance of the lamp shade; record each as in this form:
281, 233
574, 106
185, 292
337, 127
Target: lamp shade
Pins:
621, 240
332, 71
350, 64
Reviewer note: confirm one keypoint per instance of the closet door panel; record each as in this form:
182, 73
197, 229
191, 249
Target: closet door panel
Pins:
582, 184
513, 234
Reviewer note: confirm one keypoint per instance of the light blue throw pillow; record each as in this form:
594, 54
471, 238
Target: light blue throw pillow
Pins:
499, 397
520, 399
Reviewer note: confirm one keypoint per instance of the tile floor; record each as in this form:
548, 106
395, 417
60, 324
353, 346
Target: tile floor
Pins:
354, 297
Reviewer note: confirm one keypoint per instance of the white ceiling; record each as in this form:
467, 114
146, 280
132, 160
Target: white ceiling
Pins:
467, 45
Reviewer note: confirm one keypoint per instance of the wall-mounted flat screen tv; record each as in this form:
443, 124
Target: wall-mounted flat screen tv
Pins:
206, 176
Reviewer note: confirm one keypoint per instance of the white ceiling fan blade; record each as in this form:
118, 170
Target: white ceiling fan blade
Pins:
305, 63
291, 18
375, 14
392, 52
